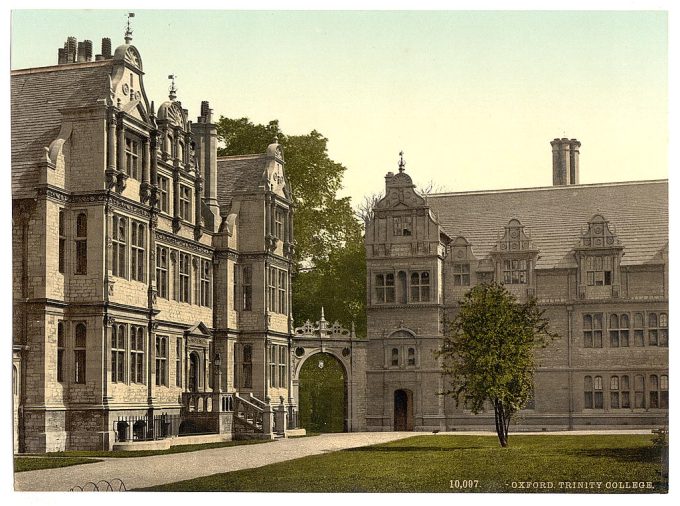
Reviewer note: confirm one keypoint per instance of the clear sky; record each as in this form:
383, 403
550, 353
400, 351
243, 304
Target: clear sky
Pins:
473, 98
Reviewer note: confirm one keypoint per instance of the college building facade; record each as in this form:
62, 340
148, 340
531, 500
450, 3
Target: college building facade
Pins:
151, 279
594, 256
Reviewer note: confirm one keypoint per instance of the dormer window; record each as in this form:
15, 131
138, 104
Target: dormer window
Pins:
461, 274
599, 271
515, 256
515, 272
599, 256
402, 225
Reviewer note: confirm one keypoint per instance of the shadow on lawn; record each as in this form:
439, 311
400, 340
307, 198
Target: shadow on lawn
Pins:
414, 448
642, 454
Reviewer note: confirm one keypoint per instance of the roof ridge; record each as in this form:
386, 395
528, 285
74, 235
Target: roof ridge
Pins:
242, 157
547, 188
63, 66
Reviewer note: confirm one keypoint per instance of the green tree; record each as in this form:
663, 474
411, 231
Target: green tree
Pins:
338, 284
488, 352
328, 237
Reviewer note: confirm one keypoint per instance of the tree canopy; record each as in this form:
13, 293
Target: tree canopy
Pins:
488, 352
328, 237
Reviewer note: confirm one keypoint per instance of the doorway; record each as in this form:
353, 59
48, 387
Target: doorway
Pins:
193, 372
403, 410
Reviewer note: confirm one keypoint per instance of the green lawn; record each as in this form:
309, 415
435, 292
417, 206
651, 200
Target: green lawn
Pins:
436, 463
34, 463
147, 453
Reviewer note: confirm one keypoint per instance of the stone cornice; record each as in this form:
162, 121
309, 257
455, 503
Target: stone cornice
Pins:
184, 243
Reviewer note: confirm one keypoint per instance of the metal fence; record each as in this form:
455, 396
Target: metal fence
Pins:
146, 428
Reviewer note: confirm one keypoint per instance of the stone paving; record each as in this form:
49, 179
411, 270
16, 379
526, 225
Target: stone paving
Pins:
138, 472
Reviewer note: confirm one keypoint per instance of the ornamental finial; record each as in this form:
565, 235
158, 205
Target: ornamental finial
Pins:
173, 89
402, 163
128, 32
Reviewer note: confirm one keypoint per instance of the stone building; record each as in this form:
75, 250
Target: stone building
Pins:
596, 258
141, 307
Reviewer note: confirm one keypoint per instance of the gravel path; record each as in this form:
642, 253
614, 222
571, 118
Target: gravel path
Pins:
148, 471
141, 472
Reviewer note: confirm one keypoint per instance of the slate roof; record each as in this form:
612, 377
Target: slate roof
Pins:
554, 218
239, 174
36, 97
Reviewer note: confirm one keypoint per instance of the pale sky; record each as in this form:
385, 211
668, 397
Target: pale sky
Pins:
473, 98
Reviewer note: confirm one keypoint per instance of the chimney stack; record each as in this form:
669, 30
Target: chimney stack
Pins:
74, 51
81, 52
206, 113
565, 161
106, 48
205, 136
71, 49
87, 44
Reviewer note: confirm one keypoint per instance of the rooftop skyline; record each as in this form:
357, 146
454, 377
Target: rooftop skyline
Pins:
472, 98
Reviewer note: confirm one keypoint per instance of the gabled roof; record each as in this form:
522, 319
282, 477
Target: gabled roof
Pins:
554, 218
239, 174
37, 95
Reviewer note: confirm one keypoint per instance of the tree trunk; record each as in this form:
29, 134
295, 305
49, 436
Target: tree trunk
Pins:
502, 420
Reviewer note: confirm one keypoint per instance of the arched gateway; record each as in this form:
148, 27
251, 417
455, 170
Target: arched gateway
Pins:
322, 405
324, 357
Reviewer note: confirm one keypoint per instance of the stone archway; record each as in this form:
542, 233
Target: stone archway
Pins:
341, 348
323, 399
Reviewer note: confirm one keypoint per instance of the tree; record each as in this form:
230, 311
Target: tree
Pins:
488, 352
338, 284
329, 253
323, 221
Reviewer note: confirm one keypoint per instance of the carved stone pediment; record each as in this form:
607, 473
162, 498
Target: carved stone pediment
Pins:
598, 234
514, 240
198, 334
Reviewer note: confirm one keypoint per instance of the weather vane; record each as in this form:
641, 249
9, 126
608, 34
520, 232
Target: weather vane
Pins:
173, 89
402, 163
128, 32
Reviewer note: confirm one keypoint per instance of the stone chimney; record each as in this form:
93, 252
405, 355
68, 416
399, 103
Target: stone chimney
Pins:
81, 52
87, 45
565, 161
71, 49
205, 135
106, 48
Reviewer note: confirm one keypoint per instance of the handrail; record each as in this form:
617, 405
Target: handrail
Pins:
250, 404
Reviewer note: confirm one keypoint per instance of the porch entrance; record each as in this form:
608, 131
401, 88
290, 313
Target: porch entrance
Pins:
403, 410
323, 394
